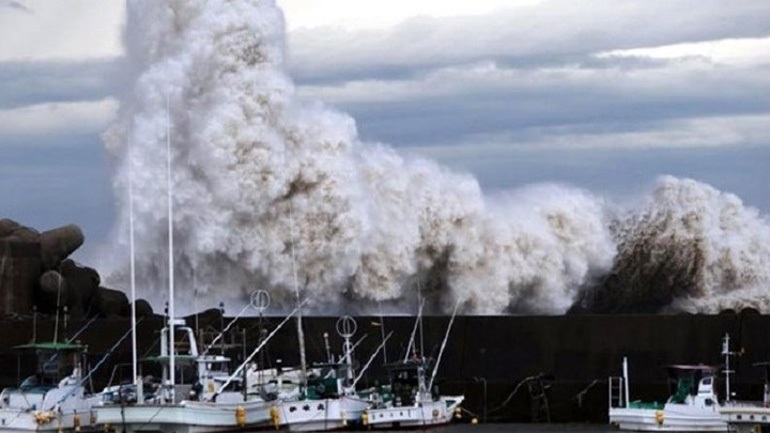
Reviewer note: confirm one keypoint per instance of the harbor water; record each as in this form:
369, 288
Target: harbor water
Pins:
524, 428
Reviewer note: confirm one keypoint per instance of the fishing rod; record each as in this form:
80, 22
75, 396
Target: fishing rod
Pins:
53, 356
443, 346
224, 331
414, 330
366, 366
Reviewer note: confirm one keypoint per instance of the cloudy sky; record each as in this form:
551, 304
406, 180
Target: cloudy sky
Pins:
602, 94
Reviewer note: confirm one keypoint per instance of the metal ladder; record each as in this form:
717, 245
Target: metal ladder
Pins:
616, 391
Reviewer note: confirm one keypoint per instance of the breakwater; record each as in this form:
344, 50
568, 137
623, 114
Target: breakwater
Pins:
487, 357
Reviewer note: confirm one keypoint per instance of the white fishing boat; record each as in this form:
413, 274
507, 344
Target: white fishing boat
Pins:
693, 405
329, 400
410, 399
407, 401
206, 398
750, 416
53, 399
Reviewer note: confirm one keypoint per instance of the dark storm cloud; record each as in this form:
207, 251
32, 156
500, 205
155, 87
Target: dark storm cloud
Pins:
30, 83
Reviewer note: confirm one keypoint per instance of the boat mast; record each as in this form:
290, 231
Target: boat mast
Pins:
300, 334
382, 332
625, 381
726, 353
171, 316
134, 362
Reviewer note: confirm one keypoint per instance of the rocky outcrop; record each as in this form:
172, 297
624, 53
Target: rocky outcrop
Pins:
57, 244
35, 270
19, 273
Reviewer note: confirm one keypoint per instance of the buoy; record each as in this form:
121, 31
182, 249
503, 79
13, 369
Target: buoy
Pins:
76, 422
240, 416
365, 418
659, 417
474, 421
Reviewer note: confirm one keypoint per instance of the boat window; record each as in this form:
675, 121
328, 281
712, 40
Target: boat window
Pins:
707, 381
709, 402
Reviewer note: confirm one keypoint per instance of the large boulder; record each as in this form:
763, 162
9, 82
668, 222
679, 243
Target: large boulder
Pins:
11, 230
19, 274
143, 308
83, 282
57, 244
112, 303
53, 291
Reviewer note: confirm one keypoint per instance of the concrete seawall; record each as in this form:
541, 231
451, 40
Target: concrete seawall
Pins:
486, 357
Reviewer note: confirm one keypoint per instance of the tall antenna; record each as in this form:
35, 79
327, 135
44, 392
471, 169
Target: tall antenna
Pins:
134, 362
171, 316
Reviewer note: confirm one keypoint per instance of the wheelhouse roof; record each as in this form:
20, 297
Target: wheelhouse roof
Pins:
52, 346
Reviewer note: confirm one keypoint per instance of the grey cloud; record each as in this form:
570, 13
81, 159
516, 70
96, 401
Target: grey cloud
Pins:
622, 175
521, 107
29, 83
558, 30
12, 4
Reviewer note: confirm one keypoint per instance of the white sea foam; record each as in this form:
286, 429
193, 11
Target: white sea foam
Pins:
259, 176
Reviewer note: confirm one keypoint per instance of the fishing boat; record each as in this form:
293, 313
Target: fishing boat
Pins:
206, 398
693, 405
54, 398
750, 416
410, 400
330, 399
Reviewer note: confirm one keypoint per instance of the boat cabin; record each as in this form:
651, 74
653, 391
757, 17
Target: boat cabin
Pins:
57, 365
408, 382
693, 384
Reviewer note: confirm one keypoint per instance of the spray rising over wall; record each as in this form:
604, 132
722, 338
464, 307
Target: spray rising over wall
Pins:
273, 193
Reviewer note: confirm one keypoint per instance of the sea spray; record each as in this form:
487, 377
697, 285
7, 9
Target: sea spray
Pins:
689, 248
258, 173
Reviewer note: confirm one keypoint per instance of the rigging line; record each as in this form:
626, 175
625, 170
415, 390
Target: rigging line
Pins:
98, 364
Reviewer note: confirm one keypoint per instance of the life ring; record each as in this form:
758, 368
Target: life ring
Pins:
659, 417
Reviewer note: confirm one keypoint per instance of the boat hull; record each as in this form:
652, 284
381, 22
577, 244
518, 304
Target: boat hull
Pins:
322, 415
747, 418
425, 414
17, 421
191, 417
668, 419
